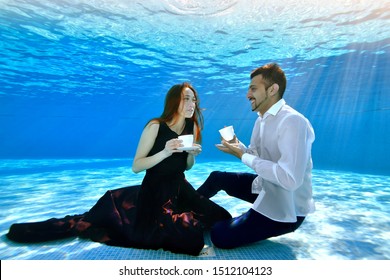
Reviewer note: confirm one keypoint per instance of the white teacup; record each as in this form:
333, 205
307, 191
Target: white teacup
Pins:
227, 133
187, 140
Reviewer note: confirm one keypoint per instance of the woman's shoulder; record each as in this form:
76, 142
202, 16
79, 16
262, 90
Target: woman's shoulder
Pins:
153, 125
153, 122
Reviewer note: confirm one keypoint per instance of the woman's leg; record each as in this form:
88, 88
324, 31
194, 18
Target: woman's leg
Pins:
51, 229
234, 184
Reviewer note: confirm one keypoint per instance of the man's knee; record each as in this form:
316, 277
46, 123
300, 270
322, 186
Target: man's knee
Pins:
221, 235
216, 174
239, 231
211, 186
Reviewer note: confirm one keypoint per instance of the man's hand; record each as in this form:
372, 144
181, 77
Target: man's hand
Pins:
231, 147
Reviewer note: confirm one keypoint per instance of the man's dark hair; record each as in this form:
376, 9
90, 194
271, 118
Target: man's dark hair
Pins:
272, 73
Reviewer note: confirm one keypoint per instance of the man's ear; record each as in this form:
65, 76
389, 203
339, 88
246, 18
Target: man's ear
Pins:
274, 89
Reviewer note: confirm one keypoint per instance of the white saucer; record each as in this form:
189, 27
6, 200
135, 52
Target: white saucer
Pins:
219, 145
192, 148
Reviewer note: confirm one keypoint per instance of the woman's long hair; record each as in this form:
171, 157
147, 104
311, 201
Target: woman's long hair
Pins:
171, 107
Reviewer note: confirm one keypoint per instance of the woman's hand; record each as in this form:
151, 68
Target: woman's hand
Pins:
172, 145
196, 151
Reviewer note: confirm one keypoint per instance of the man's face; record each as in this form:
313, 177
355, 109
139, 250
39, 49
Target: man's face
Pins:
258, 95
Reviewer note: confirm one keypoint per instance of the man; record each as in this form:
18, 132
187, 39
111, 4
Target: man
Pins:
280, 155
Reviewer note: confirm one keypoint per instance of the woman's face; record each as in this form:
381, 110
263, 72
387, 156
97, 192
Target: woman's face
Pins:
187, 104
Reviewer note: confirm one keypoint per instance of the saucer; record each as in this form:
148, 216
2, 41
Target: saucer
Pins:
192, 148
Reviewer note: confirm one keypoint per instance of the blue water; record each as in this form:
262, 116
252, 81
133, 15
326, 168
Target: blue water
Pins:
79, 80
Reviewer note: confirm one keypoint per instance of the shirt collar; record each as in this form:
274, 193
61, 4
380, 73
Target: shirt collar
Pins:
274, 108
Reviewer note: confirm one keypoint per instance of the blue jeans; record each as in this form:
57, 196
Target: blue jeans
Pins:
249, 227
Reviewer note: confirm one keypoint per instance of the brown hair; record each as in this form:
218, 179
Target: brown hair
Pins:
272, 73
171, 107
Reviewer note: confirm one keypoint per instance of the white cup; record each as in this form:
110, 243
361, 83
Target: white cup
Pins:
227, 133
187, 140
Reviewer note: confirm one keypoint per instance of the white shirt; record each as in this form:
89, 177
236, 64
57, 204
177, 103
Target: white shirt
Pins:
280, 154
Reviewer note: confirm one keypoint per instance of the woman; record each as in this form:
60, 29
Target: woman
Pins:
165, 211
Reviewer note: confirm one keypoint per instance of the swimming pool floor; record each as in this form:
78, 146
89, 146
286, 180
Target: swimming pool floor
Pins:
78, 249
352, 220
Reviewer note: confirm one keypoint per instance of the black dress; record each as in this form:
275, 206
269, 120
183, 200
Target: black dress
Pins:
164, 212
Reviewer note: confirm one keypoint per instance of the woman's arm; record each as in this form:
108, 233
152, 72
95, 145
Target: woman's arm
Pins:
192, 154
190, 161
148, 137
